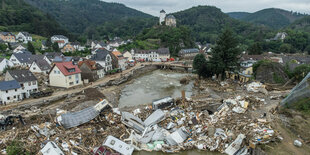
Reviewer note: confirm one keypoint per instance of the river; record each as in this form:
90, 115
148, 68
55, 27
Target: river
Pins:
154, 85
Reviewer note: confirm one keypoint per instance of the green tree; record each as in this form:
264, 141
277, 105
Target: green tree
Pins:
256, 49
199, 63
3, 47
286, 48
307, 49
48, 42
224, 56
301, 71
55, 47
31, 48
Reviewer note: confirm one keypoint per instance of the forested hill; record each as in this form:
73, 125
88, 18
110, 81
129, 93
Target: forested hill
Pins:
272, 17
238, 15
16, 15
206, 22
302, 24
80, 15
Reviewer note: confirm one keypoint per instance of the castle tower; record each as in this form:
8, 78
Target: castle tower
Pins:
162, 17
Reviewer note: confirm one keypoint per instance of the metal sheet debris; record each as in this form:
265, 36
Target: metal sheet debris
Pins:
74, 119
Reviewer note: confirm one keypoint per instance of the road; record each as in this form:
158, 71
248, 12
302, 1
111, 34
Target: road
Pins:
96, 83
70, 90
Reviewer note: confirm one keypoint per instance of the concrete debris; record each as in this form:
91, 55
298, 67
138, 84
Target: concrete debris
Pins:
257, 87
297, 143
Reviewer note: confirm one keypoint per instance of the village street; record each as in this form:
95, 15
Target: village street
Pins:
70, 91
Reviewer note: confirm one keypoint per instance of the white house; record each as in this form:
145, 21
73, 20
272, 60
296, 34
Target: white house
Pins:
24, 37
40, 66
65, 75
4, 63
128, 55
99, 44
19, 48
104, 58
27, 81
121, 60
10, 91
161, 54
59, 38
20, 59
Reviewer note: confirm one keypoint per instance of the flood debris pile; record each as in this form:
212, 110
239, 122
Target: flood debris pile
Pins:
169, 126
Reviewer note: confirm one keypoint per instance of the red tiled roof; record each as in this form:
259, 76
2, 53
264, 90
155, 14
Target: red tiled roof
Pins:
117, 53
60, 41
89, 63
65, 66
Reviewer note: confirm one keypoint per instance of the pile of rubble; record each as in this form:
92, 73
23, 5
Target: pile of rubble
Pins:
168, 126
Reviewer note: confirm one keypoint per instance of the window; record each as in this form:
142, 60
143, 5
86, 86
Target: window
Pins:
55, 72
77, 81
34, 82
15, 90
71, 83
14, 96
112, 142
8, 98
6, 91
71, 70
29, 83
33, 68
70, 77
58, 72
76, 76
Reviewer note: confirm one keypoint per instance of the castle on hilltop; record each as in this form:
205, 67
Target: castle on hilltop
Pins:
170, 20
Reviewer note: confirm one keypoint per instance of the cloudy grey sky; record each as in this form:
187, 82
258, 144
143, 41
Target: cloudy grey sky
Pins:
154, 6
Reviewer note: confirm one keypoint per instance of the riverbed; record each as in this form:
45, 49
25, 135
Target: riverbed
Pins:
154, 85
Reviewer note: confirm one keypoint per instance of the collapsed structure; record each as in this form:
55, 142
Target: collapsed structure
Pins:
182, 125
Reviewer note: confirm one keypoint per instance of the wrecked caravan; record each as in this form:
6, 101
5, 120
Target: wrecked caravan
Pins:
155, 118
133, 122
163, 103
74, 119
118, 145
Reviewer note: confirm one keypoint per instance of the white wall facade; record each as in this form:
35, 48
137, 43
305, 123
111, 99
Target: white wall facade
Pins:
10, 96
57, 79
24, 39
4, 64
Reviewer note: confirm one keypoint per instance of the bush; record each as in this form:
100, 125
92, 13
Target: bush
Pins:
15, 148
302, 105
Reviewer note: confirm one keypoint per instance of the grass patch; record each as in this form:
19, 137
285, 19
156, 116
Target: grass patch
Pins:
302, 105
277, 78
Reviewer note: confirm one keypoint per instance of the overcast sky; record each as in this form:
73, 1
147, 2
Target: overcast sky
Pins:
154, 6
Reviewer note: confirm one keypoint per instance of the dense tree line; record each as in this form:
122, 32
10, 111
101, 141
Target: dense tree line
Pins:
16, 15
80, 15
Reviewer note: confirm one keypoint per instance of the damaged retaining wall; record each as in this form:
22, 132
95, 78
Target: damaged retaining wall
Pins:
129, 76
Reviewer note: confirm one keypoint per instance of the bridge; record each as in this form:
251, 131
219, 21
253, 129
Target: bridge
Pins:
171, 65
